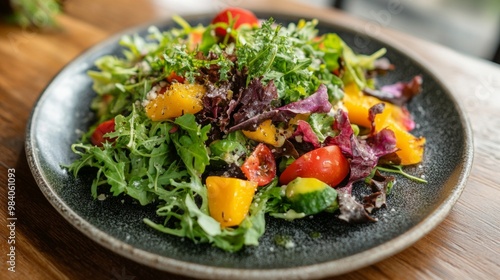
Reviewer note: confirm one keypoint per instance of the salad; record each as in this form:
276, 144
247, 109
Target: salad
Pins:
219, 125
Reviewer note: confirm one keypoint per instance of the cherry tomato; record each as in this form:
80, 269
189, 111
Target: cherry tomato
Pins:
239, 16
326, 164
260, 166
97, 137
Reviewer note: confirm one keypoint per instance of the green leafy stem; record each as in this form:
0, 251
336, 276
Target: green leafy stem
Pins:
398, 169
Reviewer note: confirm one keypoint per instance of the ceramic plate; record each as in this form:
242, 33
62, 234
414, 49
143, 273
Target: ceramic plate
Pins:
323, 246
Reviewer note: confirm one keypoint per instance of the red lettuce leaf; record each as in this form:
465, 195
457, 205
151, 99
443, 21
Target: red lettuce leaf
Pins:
363, 154
316, 103
352, 211
399, 93
407, 119
305, 133
254, 100
220, 100
381, 186
226, 104
215, 104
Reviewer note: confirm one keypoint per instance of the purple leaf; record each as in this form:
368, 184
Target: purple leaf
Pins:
372, 113
380, 186
363, 153
255, 99
288, 149
218, 102
382, 143
383, 65
343, 139
407, 119
352, 211
399, 93
306, 134
316, 103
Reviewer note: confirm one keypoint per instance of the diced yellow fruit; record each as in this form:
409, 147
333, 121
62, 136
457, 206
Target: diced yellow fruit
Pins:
268, 133
359, 104
178, 100
229, 199
411, 148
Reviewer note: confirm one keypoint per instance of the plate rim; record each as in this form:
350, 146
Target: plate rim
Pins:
324, 269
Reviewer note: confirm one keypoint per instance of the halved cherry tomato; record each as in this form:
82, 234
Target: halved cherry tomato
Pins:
260, 166
238, 15
326, 164
98, 138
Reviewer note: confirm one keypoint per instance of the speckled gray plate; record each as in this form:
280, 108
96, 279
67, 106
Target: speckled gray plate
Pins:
413, 208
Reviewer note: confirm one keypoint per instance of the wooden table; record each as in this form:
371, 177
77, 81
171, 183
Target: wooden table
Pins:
465, 246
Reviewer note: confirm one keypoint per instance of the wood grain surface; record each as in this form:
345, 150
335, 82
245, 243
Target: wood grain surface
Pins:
465, 246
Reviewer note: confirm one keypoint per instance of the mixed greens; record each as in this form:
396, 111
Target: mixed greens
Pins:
219, 125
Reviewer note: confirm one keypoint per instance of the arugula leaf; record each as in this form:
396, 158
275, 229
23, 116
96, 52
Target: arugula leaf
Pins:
138, 161
183, 217
207, 223
190, 144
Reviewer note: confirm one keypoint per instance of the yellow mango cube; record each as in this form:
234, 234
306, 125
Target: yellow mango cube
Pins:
268, 133
229, 199
177, 100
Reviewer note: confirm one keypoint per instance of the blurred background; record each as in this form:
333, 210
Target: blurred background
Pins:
468, 26
471, 27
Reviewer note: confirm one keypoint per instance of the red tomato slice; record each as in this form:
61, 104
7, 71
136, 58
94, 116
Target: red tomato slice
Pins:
174, 77
260, 166
326, 164
97, 137
239, 16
